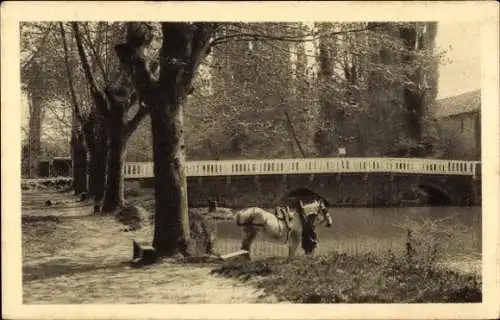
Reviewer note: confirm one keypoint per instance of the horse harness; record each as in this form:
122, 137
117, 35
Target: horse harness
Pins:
283, 214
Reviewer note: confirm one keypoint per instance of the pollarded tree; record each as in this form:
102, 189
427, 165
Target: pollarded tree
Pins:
112, 99
163, 87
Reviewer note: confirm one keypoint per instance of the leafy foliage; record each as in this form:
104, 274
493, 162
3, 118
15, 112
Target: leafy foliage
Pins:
340, 83
263, 91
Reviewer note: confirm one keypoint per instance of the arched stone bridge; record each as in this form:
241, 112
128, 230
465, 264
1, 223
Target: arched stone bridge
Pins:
340, 181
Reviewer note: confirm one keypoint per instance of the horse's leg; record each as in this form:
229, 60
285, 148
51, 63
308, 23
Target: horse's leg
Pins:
250, 235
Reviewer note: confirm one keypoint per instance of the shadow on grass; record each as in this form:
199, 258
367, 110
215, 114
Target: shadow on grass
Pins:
65, 267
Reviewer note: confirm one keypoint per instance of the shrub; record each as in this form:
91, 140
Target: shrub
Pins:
429, 240
133, 216
202, 233
57, 183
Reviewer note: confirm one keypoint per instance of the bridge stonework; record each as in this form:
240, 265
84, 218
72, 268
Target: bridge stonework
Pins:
340, 181
373, 189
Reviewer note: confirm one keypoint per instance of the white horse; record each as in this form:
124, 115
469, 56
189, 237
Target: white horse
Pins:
288, 225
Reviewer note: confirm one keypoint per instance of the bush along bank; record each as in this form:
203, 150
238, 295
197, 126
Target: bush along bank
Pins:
46, 183
341, 278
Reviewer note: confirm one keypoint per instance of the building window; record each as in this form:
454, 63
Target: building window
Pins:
462, 124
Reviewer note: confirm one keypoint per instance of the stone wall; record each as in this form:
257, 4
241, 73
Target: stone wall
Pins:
374, 189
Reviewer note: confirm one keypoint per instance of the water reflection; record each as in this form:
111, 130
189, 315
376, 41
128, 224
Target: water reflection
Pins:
359, 230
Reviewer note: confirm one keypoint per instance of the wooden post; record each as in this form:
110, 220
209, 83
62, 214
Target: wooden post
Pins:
143, 255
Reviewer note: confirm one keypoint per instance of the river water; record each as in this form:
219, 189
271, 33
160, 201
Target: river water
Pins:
361, 230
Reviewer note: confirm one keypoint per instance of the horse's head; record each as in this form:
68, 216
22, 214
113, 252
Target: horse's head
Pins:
315, 209
324, 212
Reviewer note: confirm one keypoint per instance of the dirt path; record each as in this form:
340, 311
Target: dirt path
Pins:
81, 258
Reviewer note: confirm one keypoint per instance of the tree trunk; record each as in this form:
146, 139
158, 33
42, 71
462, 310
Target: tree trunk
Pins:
164, 90
98, 155
325, 136
79, 162
171, 212
35, 125
97, 176
115, 196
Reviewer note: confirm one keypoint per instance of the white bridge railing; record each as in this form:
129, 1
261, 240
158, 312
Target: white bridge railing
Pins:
313, 165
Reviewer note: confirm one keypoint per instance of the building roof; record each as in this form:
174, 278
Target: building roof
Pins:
462, 103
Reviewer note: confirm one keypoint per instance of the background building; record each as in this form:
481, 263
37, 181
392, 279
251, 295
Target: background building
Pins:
459, 123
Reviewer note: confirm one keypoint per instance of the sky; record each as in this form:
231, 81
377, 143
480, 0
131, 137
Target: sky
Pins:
463, 74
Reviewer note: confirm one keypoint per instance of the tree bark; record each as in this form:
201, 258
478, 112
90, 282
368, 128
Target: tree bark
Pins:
78, 147
114, 195
97, 177
35, 125
96, 137
172, 232
111, 104
183, 47
79, 162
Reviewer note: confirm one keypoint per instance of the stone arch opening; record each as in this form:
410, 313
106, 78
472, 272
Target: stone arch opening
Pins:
435, 196
304, 194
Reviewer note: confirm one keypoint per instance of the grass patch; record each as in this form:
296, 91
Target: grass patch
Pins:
342, 278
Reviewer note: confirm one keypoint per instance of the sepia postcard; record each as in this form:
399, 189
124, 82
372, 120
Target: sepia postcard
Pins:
250, 160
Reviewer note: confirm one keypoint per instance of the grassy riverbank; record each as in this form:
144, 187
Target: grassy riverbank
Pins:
342, 278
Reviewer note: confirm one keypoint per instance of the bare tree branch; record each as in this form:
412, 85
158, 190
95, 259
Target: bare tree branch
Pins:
95, 54
40, 48
99, 96
69, 76
293, 133
255, 36
58, 116
133, 123
25, 131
